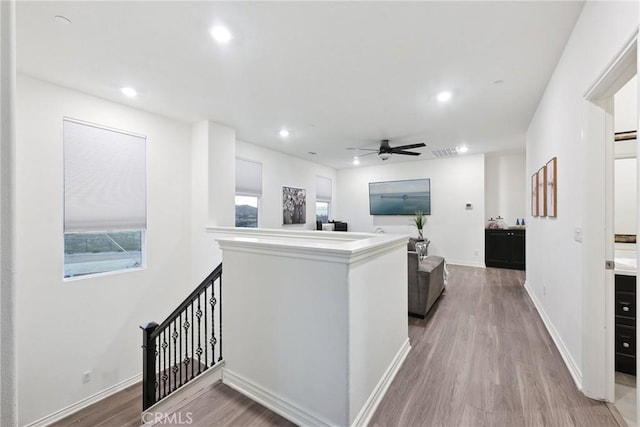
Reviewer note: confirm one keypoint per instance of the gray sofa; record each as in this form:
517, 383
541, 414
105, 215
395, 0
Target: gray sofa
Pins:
426, 282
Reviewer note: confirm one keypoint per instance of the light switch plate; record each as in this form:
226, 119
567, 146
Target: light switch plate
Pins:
577, 234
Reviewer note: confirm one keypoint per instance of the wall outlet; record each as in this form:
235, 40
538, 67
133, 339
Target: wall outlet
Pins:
86, 376
476, 252
544, 291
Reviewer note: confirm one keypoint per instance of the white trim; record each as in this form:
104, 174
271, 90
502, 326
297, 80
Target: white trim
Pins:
371, 404
557, 340
344, 248
71, 409
187, 393
271, 401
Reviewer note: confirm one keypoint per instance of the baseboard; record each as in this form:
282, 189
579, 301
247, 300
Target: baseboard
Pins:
370, 406
271, 401
465, 263
185, 394
71, 409
302, 417
571, 365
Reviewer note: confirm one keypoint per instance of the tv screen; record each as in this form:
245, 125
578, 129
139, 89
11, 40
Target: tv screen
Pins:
400, 197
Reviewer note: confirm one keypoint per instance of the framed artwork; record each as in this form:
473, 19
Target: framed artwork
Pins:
552, 191
542, 191
294, 205
534, 194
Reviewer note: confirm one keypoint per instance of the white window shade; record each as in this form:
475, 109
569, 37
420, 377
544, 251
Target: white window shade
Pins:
248, 177
323, 189
104, 179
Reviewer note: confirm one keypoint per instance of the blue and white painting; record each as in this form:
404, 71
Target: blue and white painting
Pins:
400, 197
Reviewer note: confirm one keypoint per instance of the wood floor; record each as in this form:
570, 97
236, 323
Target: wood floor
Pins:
484, 358
481, 358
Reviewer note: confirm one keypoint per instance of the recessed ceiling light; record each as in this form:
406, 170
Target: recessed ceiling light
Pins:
62, 19
444, 96
356, 161
129, 91
283, 133
498, 82
463, 149
221, 34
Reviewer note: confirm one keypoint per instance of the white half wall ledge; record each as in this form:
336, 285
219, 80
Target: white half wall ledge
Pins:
330, 246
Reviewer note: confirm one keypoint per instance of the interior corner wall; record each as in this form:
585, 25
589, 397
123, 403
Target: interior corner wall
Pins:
221, 174
505, 186
213, 149
456, 233
90, 324
278, 170
554, 258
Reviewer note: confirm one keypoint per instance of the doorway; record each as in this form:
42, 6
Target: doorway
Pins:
625, 224
599, 296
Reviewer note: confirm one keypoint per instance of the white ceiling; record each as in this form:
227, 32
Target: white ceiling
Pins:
339, 74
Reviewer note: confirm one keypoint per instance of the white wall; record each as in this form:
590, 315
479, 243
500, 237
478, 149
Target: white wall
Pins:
455, 233
280, 170
91, 324
626, 107
554, 259
505, 191
213, 156
625, 173
8, 309
626, 196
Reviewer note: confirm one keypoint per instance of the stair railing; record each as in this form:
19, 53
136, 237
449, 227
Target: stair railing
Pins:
184, 345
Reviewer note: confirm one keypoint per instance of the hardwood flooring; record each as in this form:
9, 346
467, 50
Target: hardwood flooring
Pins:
482, 357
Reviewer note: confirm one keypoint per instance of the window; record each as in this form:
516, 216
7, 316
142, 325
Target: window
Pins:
248, 193
104, 199
246, 211
322, 212
323, 199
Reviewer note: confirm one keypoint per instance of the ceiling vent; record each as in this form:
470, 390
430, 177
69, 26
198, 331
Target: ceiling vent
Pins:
446, 152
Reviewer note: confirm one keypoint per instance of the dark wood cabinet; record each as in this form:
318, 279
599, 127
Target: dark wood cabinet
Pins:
505, 248
625, 324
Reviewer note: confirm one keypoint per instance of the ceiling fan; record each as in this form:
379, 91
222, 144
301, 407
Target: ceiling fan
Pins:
385, 151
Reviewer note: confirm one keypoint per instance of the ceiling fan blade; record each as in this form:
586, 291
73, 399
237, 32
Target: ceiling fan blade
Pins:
409, 146
368, 154
362, 149
408, 153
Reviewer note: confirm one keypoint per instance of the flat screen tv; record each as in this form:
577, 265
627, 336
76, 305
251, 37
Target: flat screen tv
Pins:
400, 197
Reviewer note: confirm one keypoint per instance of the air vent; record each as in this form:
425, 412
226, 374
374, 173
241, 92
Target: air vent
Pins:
446, 152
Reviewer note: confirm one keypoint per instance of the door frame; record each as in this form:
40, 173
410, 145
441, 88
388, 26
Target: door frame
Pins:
598, 296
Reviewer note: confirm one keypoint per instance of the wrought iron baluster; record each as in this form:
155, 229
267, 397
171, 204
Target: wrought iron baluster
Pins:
220, 320
192, 341
164, 360
199, 349
180, 344
186, 346
212, 340
206, 364
174, 367
156, 385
